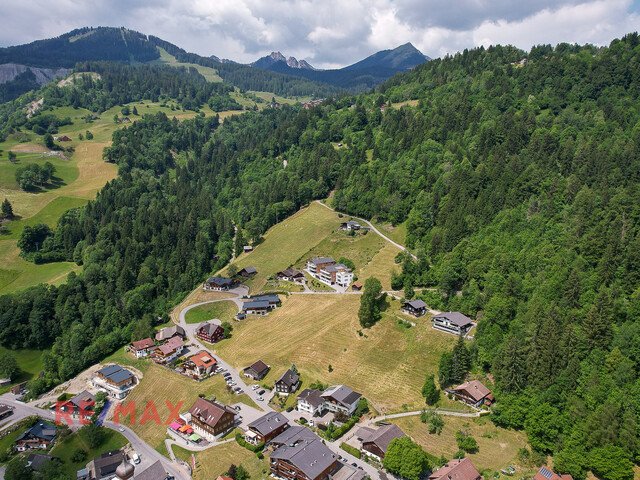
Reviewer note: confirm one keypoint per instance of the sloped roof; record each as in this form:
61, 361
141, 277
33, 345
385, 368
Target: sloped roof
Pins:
155, 472
107, 463
383, 436
342, 394
203, 359
110, 370
209, 412
293, 434
253, 305
168, 332
38, 460
250, 270
209, 327
545, 474
170, 345
456, 318
268, 423
311, 396
142, 344
416, 304
258, 367
310, 456
290, 272
83, 396
289, 378
317, 260
475, 389
459, 469
222, 281
265, 298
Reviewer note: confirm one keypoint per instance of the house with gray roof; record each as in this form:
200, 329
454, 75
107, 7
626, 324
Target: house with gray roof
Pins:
287, 383
310, 401
169, 332
293, 435
265, 428
415, 308
115, 380
341, 397
374, 442
452, 322
104, 467
218, 284
304, 459
256, 370
246, 272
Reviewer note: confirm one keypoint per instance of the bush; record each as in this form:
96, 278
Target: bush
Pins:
466, 442
243, 443
352, 450
79, 455
435, 421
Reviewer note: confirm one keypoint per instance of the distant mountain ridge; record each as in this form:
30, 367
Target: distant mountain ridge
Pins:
362, 75
275, 57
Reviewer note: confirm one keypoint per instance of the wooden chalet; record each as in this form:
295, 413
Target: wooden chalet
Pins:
169, 332
341, 397
374, 442
256, 371
202, 363
472, 393
168, 351
142, 348
287, 383
452, 322
38, 437
210, 331
265, 428
211, 420
218, 284
291, 275
415, 308
304, 457
115, 380
80, 405
246, 272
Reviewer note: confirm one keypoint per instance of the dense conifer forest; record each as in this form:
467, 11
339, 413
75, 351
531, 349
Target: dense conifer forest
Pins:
518, 181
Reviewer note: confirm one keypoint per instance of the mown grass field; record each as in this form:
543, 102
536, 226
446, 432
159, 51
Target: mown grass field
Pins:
315, 230
497, 447
224, 311
66, 449
159, 386
216, 461
387, 364
30, 363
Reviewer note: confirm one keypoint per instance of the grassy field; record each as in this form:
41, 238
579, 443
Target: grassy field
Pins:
65, 450
159, 385
215, 461
288, 242
224, 311
30, 363
398, 233
387, 364
497, 447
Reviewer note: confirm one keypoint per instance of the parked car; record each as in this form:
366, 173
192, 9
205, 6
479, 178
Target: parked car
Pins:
136, 458
354, 464
261, 392
240, 392
255, 387
290, 409
311, 423
121, 429
260, 399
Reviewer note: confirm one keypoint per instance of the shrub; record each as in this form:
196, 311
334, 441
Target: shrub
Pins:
352, 450
466, 442
243, 443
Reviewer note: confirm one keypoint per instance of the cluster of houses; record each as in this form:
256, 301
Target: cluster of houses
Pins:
328, 271
312, 103
291, 275
222, 284
206, 419
117, 466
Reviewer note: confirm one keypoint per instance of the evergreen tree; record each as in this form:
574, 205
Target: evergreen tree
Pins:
7, 209
369, 312
460, 361
429, 391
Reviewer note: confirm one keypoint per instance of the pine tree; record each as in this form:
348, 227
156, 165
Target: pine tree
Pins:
460, 361
429, 391
597, 326
511, 365
7, 209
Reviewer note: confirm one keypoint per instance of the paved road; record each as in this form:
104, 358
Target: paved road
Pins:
147, 454
401, 247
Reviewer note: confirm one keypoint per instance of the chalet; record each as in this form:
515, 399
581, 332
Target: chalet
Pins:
38, 437
273, 300
291, 275
5, 382
545, 474
210, 331
5, 411
256, 371
38, 461
415, 308
452, 322
265, 428
246, 272
202, 363
142, 348
310, 401
458, 469
80, 404
115, 380
291, 435
303, 458
350, 225
341, 397
126, 120
473, 393
247, 248
316, 264
218, 284
356, 287
374, 442
62, 138
168, 351
104, 467
154, 472
256, 308
170, 332
287, 383
209, 419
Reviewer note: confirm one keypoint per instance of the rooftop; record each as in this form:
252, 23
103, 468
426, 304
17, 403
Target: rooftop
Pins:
317, 260
474, 389
341, 394
268, 423
142, 344
289, 378
209, 412
416, 304
381, 437
258, 367
309, 455
203, 359
312, 396
456, 318
459, 469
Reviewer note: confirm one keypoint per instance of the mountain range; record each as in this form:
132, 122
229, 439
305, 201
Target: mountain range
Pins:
128, 46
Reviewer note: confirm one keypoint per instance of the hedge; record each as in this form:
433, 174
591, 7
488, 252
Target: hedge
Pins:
243, 443
351, 450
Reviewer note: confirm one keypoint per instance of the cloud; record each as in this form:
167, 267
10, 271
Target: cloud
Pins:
330, 33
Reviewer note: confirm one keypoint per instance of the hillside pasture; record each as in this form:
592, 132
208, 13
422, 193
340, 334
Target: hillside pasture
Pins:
224, 311
216, 461
387, 364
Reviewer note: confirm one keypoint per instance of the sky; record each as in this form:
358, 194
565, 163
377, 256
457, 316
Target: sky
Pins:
329, 33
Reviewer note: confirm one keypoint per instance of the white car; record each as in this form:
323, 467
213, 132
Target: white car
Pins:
260, 399
255, 387
311, 423
121, 429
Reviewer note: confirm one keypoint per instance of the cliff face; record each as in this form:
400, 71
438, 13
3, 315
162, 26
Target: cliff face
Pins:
9, 71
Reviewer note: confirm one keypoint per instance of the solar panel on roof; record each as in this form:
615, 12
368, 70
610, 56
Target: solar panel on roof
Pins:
546, 473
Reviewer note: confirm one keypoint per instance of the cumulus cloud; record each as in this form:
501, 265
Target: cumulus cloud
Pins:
329, 33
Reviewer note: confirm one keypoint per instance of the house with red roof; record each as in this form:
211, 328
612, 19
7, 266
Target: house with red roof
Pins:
142, 348
545, 474
458, 469
473, 393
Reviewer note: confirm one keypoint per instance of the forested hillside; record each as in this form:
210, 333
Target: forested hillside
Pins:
519, 185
